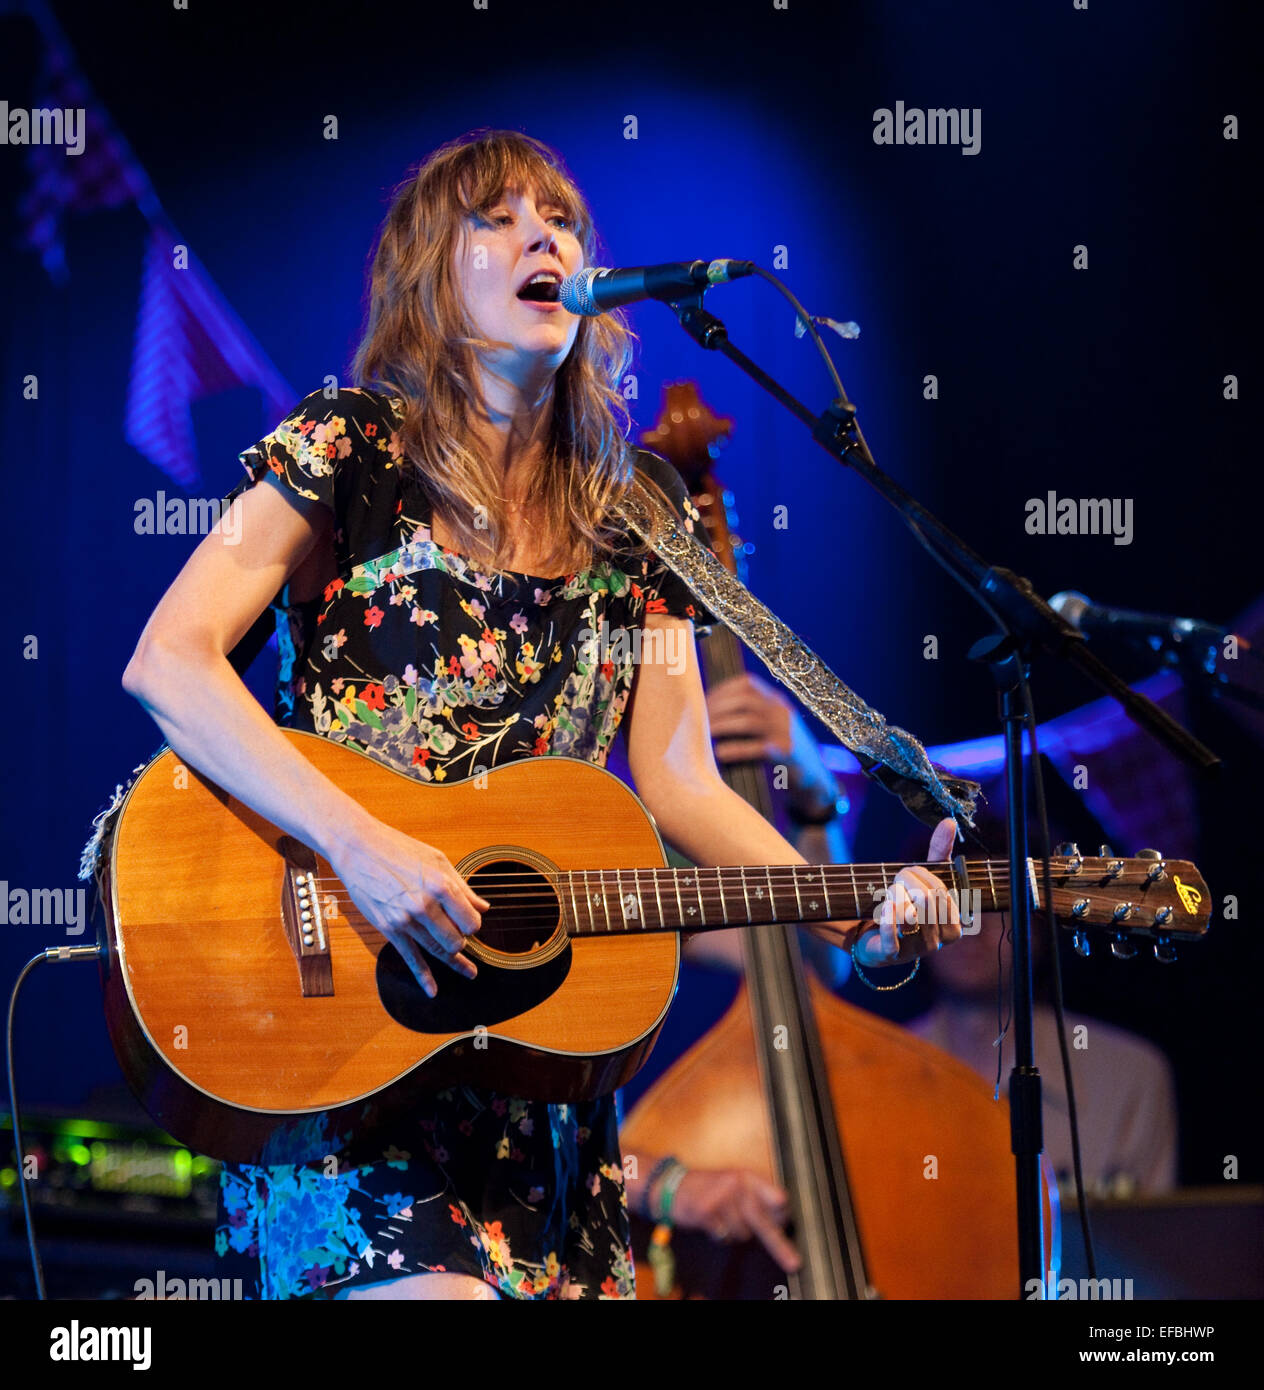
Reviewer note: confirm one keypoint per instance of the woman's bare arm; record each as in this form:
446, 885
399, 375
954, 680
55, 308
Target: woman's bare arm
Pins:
180, 672
673, 765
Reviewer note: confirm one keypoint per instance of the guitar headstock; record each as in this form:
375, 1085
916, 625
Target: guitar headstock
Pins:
1146, 896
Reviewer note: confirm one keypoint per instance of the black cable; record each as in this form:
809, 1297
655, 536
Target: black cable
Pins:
17, 1125
806, 319
1038, 788
54, 954
1004, 999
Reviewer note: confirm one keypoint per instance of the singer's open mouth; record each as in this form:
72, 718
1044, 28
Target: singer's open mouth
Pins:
540, 292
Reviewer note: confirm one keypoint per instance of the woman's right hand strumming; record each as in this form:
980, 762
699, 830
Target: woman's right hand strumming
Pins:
412, 894
407, 890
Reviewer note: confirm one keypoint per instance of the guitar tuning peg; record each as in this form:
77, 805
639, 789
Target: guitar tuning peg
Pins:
1070, 851
1081, 943
1122, 947
1165, 950
1105, 852
1158, 865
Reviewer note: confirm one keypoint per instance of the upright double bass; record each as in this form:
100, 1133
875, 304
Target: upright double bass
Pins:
895, 1156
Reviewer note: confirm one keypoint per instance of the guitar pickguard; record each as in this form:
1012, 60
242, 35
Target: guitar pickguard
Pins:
463, 1005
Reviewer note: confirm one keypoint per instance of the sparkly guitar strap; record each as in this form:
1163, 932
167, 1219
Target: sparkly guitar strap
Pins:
889, 755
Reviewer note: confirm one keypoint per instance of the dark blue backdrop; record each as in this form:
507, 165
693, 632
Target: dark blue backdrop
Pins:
1101, 128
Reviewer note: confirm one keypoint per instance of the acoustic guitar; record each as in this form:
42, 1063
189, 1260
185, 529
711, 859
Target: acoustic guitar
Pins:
250, 1002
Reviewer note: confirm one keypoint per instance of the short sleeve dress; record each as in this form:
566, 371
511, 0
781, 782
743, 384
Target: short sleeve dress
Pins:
414, 656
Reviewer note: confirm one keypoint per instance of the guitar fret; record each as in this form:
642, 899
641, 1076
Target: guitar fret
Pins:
724, 912
992, 886
589, 895
855, 891
829, 911
816, 916
662, 921
618, 890
570, 878
605, 904
745, 894
798, 901
772, 893
680, 907
640, 905
702, 907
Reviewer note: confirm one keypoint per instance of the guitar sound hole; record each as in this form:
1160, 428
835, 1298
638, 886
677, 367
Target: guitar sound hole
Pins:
524, 911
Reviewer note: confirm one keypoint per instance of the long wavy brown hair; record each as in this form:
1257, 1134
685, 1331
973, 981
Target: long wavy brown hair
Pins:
420, 344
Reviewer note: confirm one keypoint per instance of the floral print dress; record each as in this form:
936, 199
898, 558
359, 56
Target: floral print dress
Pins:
415, 657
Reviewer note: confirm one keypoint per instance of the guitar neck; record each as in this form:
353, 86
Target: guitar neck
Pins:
602, 901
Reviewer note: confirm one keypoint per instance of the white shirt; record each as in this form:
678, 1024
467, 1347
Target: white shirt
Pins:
1125, 1098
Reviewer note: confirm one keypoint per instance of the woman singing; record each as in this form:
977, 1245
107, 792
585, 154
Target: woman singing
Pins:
444, 540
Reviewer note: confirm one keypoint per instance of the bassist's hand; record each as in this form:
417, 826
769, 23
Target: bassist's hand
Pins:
412, 894
734, 1204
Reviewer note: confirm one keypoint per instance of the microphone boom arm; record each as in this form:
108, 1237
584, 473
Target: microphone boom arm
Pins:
1009, 599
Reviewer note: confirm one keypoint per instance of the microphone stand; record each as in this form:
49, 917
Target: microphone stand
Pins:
1027, 625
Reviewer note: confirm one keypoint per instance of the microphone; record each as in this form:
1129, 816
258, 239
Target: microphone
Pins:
1095, 620
596, 290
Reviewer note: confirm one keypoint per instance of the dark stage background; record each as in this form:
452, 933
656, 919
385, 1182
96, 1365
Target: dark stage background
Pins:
1101, 128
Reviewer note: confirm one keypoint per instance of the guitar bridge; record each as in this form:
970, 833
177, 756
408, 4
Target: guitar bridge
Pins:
304, 924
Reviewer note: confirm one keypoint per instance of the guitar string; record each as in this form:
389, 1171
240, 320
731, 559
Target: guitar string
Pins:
865, 870
713, 884
547, 905
548, 911
859, 884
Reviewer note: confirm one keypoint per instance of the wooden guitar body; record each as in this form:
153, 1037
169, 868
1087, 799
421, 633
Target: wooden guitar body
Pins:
248, 1044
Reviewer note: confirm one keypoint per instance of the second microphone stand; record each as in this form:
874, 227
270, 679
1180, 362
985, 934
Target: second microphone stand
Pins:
1028, 625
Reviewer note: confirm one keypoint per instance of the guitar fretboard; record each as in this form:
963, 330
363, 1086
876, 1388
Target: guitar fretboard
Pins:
602, 901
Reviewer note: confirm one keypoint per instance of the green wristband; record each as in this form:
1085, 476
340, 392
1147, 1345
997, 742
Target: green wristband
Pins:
667, 1192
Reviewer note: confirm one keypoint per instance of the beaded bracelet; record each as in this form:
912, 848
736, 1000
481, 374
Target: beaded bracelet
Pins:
883, 989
